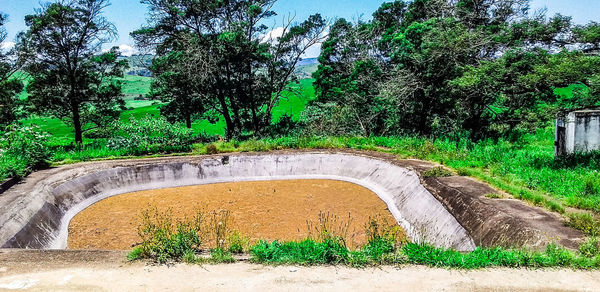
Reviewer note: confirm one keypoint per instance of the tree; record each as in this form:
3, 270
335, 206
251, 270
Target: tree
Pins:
9, 85
449, 66
173, 87
237, 69
71, 80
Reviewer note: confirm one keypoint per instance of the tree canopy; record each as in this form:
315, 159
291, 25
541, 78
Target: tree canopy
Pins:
223, 60
9, 86
485, 67
71, 78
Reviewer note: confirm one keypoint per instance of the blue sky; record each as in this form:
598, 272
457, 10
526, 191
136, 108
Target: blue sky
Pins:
128, 15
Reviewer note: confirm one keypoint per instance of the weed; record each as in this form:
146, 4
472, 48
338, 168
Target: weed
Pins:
439, 171
212, 149
591, 186
585, 222
164, 240
238, 243
329, 227
221, 256
493, 196
590, 248
219, 228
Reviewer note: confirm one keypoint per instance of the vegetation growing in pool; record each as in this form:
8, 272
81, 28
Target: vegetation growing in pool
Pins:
167, 241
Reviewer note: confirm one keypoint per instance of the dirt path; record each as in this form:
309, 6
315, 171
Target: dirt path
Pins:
106, 271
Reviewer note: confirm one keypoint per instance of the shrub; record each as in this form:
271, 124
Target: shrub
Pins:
585, 222
150, 135
590, 248
237, 242
22, 150
212, 149
164, 240
439, 171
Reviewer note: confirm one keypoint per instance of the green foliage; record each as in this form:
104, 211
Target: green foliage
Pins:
212, 149
10, 84
553, 256
150, 135
493, 196
22, 150
590, 248
488, 69
238, 243
221, 256
307, 252
438, 171
70, 78
585, 222
232, 69
379, 252
164, 240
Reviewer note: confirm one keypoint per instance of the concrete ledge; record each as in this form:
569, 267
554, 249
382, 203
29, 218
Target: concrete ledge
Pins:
7, 184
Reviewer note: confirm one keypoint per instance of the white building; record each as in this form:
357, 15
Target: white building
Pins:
577, 131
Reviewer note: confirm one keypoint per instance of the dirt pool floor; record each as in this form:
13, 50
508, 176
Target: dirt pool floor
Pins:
270, 210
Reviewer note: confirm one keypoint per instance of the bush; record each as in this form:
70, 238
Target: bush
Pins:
437, 172
237, 242
150, 135
22, 150
590, 248
585, 222
212, 149
164, 240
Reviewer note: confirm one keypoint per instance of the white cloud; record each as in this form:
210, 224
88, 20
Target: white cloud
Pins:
313, 52
7, 45
126, 50
273, 34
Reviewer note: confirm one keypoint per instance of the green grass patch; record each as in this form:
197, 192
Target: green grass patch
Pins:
437, 172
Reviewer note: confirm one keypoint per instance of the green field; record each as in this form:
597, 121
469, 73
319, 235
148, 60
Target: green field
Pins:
293, 103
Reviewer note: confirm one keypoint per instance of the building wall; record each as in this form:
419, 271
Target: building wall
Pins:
587, 132
581, 132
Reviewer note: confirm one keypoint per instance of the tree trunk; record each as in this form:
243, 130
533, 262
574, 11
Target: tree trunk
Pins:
188, 121
77, 124
228, 121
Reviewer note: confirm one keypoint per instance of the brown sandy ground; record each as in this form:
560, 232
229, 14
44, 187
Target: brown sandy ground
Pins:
269, 210
108, 271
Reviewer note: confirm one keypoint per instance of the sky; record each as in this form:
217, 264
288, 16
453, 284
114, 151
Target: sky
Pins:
128, 15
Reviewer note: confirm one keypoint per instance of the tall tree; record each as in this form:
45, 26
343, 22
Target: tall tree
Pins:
9, 86
238, 68
456, 65
71, 80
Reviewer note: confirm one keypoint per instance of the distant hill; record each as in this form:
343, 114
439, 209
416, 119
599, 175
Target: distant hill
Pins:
139, 66
306, 67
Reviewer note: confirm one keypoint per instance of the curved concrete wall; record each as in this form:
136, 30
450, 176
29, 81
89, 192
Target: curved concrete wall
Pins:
41, 220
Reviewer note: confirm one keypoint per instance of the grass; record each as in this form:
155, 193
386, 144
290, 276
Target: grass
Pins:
294, 101
437, 172
526, 169
310, 253
164, 241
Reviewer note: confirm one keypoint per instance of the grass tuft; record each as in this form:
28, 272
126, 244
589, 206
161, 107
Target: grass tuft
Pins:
439, 171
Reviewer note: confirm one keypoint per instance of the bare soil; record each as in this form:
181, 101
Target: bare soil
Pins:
269, 210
